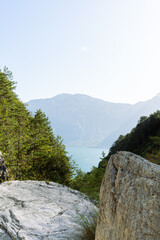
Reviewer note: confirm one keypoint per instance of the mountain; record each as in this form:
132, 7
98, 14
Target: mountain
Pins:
82, 120
131, 118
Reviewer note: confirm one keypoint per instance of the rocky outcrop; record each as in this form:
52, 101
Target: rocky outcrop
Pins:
129, 199
32, 210
3, 171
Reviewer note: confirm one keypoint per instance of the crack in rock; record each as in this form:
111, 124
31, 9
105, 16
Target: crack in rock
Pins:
129, 199
32, 210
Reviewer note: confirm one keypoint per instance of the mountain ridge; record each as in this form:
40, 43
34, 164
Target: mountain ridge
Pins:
83, 120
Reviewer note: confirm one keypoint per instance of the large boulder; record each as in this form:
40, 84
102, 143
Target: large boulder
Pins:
129, 199
32, 210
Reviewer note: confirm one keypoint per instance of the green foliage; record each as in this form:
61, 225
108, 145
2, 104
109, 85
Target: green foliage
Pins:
87, 225
89, 183
143, 140
27, 142
33, 152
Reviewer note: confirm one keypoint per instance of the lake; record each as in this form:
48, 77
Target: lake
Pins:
85, 157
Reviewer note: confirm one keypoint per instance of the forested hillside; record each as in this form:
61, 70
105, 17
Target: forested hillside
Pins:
143, 140
32, 151
27, 142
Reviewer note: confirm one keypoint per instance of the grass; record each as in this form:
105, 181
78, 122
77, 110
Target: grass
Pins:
87, 225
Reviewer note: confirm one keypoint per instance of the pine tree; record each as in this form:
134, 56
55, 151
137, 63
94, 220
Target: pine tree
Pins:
31, 150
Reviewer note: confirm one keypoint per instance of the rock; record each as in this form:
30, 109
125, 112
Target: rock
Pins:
32, 210
129, 199
3, 171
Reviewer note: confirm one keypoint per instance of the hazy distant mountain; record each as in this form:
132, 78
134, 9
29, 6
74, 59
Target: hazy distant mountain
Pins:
86, 121
131, 118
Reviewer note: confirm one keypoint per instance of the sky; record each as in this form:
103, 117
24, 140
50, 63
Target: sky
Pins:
108, 49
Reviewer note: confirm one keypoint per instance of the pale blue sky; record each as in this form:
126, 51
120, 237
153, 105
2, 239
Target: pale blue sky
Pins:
109, 49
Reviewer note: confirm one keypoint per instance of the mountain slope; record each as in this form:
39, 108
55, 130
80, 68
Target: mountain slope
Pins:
81, 120
131, 118
143, 139
86, 121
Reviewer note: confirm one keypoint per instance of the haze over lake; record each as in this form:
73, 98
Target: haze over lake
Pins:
86, 157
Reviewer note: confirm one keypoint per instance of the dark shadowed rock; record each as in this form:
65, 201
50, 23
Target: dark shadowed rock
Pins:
33, 210
129, 199
3, 171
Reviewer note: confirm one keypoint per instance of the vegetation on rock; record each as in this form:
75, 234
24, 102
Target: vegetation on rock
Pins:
87, 225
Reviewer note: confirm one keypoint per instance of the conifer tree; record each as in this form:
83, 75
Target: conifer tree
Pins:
30, 148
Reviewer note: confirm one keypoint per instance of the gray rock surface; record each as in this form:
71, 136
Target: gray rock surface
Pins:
129, 199
33, 210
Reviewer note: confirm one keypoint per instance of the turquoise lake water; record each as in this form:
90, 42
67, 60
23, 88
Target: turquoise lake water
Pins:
86, 158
